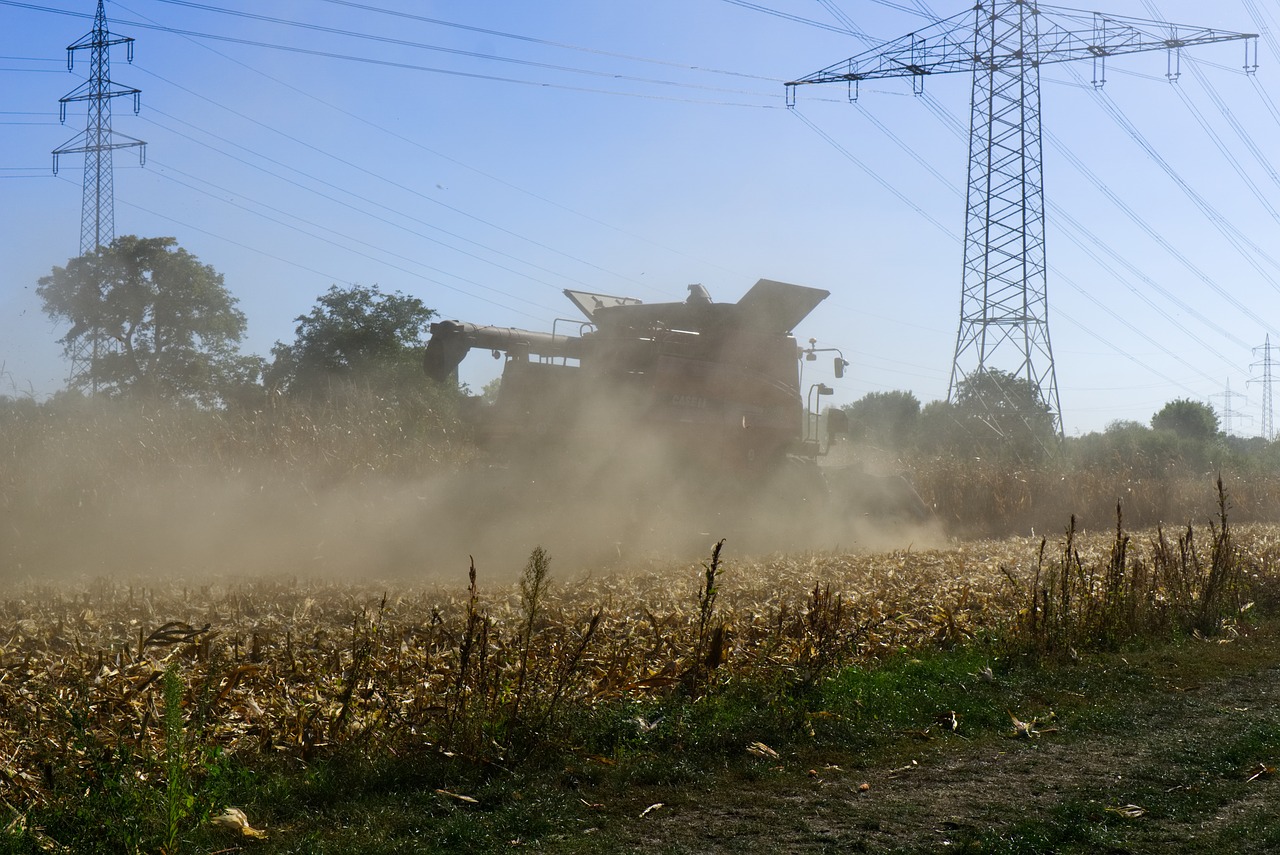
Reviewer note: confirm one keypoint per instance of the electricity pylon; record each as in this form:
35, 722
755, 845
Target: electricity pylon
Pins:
1229, 412
1268, 426
1004, 300
97, 211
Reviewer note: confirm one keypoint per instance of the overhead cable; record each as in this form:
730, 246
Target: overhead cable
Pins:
380, 259
408, 66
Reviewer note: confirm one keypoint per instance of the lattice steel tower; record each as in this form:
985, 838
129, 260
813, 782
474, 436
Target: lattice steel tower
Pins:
1268, 425
97, 212
1004, 305
1229, 412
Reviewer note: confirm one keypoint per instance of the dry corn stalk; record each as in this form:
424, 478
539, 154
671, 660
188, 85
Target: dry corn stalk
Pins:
278, 662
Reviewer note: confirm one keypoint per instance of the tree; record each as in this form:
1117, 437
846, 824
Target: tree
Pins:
940, 429
1188, 419
489, 392
165, 324
352, 333
1015, 417
1129, 449
886, 419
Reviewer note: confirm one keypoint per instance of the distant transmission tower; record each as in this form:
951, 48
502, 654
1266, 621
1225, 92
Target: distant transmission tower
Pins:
1268, 425
1003, 43
97, 213
1229, 412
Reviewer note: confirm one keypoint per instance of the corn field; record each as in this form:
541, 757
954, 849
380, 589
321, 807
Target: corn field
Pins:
143, 673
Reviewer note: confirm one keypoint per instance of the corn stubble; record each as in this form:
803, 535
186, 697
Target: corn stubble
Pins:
306, 669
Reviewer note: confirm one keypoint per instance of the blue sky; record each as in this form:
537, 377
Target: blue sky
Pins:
490, 157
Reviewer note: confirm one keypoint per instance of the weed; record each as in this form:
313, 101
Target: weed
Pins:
710, 645
1219, 591
828, 636
178, 800
533, 585
1074, 605
472, 677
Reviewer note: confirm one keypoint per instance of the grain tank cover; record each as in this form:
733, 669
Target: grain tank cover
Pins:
588, 303
770, 308
777, 307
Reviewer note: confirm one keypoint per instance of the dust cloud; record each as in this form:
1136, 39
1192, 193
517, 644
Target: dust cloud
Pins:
600, 495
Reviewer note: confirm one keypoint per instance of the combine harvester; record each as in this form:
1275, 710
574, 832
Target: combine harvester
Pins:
667, 423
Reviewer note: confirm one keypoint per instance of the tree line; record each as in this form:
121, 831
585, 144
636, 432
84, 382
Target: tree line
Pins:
163, 326
1000, 417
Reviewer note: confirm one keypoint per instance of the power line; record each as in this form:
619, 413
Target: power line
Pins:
545, 42
398, 185
1087, 241
475, 284
408, 66
418, 144
1226, 113
853, 148
899, 7
1058, 273
437, 48
373, 174
756, 7
399, 214
256, 250
349, 239
1233, 235
845, 20
874, 175
1230, 118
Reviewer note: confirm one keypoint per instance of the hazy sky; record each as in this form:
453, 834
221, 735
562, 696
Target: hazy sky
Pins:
483, 156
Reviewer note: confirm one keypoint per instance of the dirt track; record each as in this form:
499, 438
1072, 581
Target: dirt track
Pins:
1180, 752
